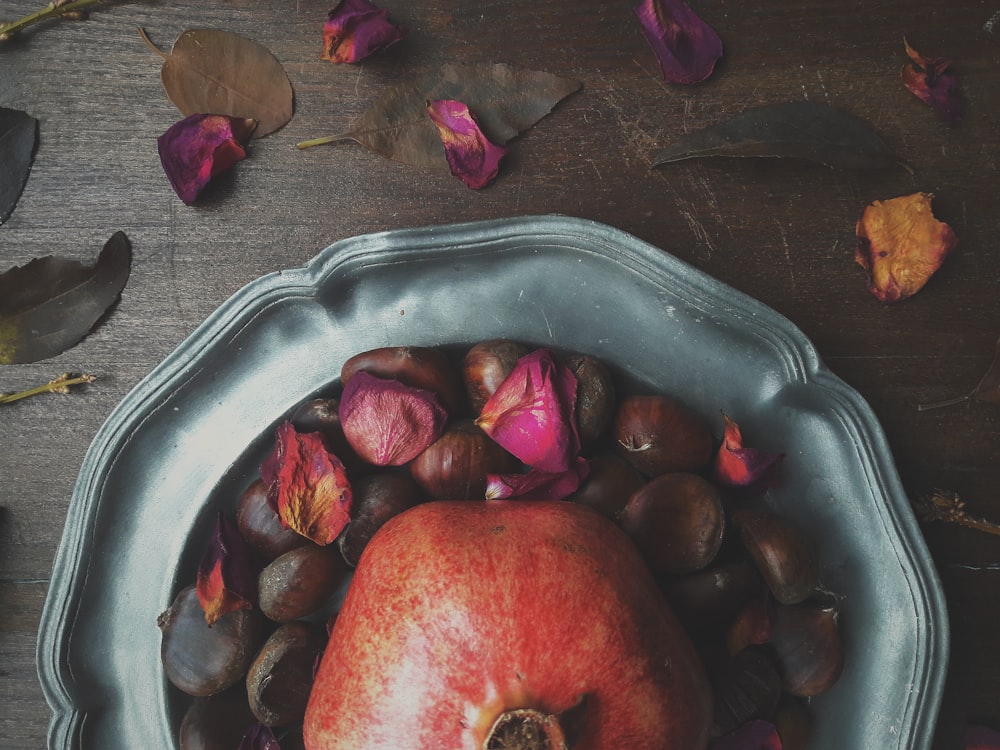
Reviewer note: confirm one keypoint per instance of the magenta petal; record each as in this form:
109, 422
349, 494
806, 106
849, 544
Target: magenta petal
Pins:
199, 147
356, 29
686, 47
259, 737
531, 413
979, 737
538, 485
471, 156
227, 576
754, 735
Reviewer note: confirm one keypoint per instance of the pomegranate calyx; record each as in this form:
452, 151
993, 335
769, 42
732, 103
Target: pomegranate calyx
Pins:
531, 729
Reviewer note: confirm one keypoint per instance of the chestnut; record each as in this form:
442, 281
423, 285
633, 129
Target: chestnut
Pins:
659, 434
416, 366
217, 722
595, 397
794, 723
782, 555
322, 415
377, 498
609, 484
280, 678
746, 687
456, 465
712, 597
201, 660
260, 525
300, 582
677, 521
805, 639
485, 366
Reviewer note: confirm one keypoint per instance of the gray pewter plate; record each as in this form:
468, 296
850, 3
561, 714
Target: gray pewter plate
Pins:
189, 438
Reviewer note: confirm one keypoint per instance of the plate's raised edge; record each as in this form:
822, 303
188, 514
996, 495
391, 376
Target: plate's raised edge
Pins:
68, 575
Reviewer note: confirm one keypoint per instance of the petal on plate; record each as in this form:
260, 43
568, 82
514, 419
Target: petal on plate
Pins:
901, 245
227, 575
739, 466
531, 413
538, 485
197, 148
356, 29
471, 156
307, 486
685, 46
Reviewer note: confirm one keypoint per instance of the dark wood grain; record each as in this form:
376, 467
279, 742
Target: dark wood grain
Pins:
782, 232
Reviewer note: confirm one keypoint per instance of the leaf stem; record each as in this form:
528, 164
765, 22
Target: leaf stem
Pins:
59, 385
55, 9
947, 402
321, 141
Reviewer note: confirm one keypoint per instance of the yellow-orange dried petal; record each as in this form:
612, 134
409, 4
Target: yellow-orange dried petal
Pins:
901, 245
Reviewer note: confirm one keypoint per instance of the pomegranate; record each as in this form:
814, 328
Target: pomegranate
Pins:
506, 624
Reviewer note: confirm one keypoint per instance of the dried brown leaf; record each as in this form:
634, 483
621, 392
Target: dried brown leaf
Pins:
209, 71
506, 101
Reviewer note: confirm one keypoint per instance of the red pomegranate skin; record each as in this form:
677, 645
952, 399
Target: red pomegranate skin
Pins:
460, 611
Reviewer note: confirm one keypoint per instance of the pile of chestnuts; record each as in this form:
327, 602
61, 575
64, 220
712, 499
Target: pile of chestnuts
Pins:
408, 425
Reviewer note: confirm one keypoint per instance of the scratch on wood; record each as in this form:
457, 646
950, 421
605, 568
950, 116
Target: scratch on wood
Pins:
788, 253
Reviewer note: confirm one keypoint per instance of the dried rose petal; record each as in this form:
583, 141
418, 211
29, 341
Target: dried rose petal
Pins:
737, 466
307, 485
259, 737
901, 245
227, 576
531, 413
929, 79
686, 47
754, 735
388, 423
538, 485
979, 737
471, 156
199, 147
356, 29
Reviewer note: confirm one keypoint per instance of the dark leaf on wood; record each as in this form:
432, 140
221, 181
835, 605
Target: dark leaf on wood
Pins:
506, 101
18, 136
50, 303
217, 72
801, 130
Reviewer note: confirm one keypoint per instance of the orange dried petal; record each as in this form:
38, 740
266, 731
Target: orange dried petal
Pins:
901, 245
227, 577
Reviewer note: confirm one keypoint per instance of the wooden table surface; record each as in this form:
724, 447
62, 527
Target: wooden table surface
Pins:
780, 231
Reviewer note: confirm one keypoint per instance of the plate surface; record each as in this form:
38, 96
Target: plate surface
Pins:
190, 436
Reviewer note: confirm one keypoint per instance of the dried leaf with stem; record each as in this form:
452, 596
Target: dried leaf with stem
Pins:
944, 505
72, 9
60, 384
988, 389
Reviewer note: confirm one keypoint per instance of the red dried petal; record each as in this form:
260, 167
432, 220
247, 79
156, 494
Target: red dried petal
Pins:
199, 147
531, 413
979, 737
307, 485
738, 466
227, 576
356, 29
929, 79
901, 245
388, 423
685, 46
754, 735
538, 485
471, 156
259, 737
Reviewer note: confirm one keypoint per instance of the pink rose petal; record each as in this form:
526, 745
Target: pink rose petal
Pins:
356, 29
538, 485
471, 156
686, 47
739, 466
199, 147
979, 737
531, 413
